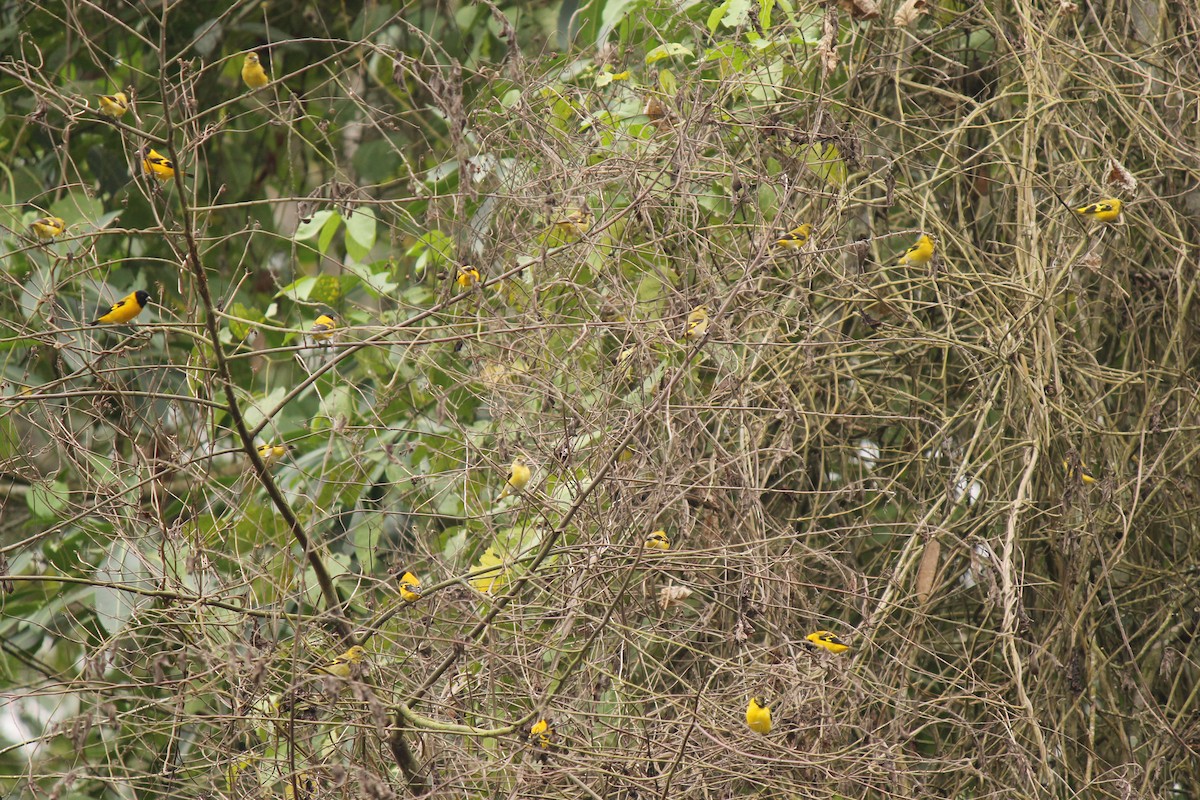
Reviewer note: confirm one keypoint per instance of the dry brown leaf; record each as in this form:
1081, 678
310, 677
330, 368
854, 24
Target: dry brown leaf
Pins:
907, 14
927, 571
672, 596
861, 9
825, 47
1121, 177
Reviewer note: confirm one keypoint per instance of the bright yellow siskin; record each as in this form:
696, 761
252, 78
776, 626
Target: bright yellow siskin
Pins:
827, 641
796, 238
468, 276
113, 105
758, 715
46, 228
253, 74
1083, 473
657, 540
324, 328
410, 588
697, 323
1102, 211
158, 165
920, 253
304, 787
541, 735
124, 310
575, 221
518, 478
271, 453
343, 664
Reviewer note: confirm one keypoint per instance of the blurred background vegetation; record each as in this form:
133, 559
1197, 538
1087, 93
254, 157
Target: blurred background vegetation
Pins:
982, 473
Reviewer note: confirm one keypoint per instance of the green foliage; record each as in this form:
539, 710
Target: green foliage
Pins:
892, 452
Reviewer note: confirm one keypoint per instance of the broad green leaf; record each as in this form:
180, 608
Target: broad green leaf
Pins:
826, 161
669, 50
315, 224
47, 499
360, 233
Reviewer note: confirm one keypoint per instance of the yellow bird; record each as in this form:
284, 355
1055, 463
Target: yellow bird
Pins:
303, 787
468, 276
541, 734
1083, 473
1102, 211
113, 105
124, 310
253, 74
46, 228
697, 323
758, 715
828, 641
657, 540
343, 664
324, 328
575, 221
158, 165
920, 253
796, 238
271, 453
410, 588
518, 478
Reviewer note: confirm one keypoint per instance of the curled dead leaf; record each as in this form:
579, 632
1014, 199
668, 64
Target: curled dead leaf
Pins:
1121, 177
861, 9
907, 13
671, 596
927, 570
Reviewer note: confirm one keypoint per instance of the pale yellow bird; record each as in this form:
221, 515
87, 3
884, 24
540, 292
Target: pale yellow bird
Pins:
796, 238
46, 228
697, 323
253, 74
920, 253
343, 664
271, 453
519, 474
575, 221
113, 105
657, 540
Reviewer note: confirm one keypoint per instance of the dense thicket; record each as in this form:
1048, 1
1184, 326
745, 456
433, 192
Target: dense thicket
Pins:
981, 472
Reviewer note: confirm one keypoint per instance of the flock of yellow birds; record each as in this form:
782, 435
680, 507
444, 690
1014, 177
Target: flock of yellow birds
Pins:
575, 221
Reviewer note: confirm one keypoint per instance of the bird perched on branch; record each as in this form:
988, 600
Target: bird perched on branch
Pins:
158, 165
468, 276
697, 323
519, 474
342, 665
920, 253
574, 221
253, 74
271, 453
1101, 211
657, 540
827, 641
324, 328
796, 238
758, 715
113, 105
46, 228
410, 587
125, 309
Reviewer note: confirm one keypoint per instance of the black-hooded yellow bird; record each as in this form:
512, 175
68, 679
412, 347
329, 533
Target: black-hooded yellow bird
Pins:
124, 310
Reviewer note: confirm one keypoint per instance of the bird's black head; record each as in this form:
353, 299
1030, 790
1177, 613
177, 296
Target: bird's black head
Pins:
142, 296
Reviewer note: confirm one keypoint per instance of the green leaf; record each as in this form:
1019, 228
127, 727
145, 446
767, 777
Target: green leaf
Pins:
46, 500
360, 233
826, 161
314, 225
669, 50
241, 327
614, 14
